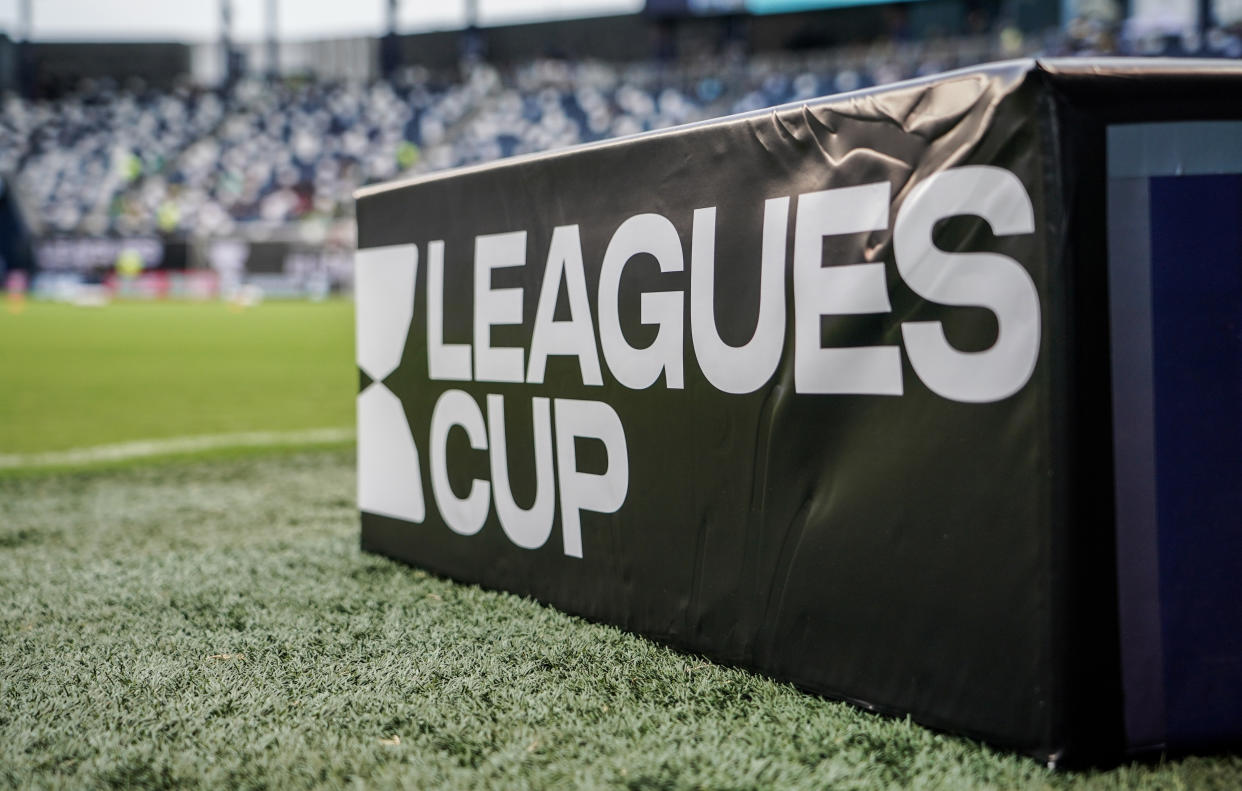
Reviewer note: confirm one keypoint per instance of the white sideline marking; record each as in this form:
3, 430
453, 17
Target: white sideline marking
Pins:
124, 451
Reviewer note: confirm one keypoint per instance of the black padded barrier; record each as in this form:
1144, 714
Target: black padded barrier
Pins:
829, 391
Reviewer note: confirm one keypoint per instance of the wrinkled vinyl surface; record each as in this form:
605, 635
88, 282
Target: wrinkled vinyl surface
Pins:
899, 550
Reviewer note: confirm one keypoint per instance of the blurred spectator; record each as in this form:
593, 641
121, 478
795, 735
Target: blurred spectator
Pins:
268, 157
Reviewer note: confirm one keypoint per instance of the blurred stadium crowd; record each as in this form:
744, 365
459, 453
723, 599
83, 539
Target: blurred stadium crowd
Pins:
280, 159
108, 160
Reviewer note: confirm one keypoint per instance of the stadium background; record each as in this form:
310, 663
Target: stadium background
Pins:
231, 161
212, 622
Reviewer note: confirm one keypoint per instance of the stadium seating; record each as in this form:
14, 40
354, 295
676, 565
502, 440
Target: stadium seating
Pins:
112, 160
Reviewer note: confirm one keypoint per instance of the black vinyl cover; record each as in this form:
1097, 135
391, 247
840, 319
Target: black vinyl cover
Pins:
887, 481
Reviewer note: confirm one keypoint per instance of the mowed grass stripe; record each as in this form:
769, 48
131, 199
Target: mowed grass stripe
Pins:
79, 377
168, 446
214, 625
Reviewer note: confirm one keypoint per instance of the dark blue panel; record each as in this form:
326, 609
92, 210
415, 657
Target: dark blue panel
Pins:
1196, 253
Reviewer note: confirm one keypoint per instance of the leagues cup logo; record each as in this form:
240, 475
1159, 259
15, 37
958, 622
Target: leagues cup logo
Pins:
389, 459
389, 473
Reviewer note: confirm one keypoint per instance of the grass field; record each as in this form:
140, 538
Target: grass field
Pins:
82, 377
212, 623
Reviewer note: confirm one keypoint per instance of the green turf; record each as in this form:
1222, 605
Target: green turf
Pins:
76, 377
214, 624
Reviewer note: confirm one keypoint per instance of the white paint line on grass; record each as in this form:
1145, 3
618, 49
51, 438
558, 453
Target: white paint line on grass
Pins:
124, 451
